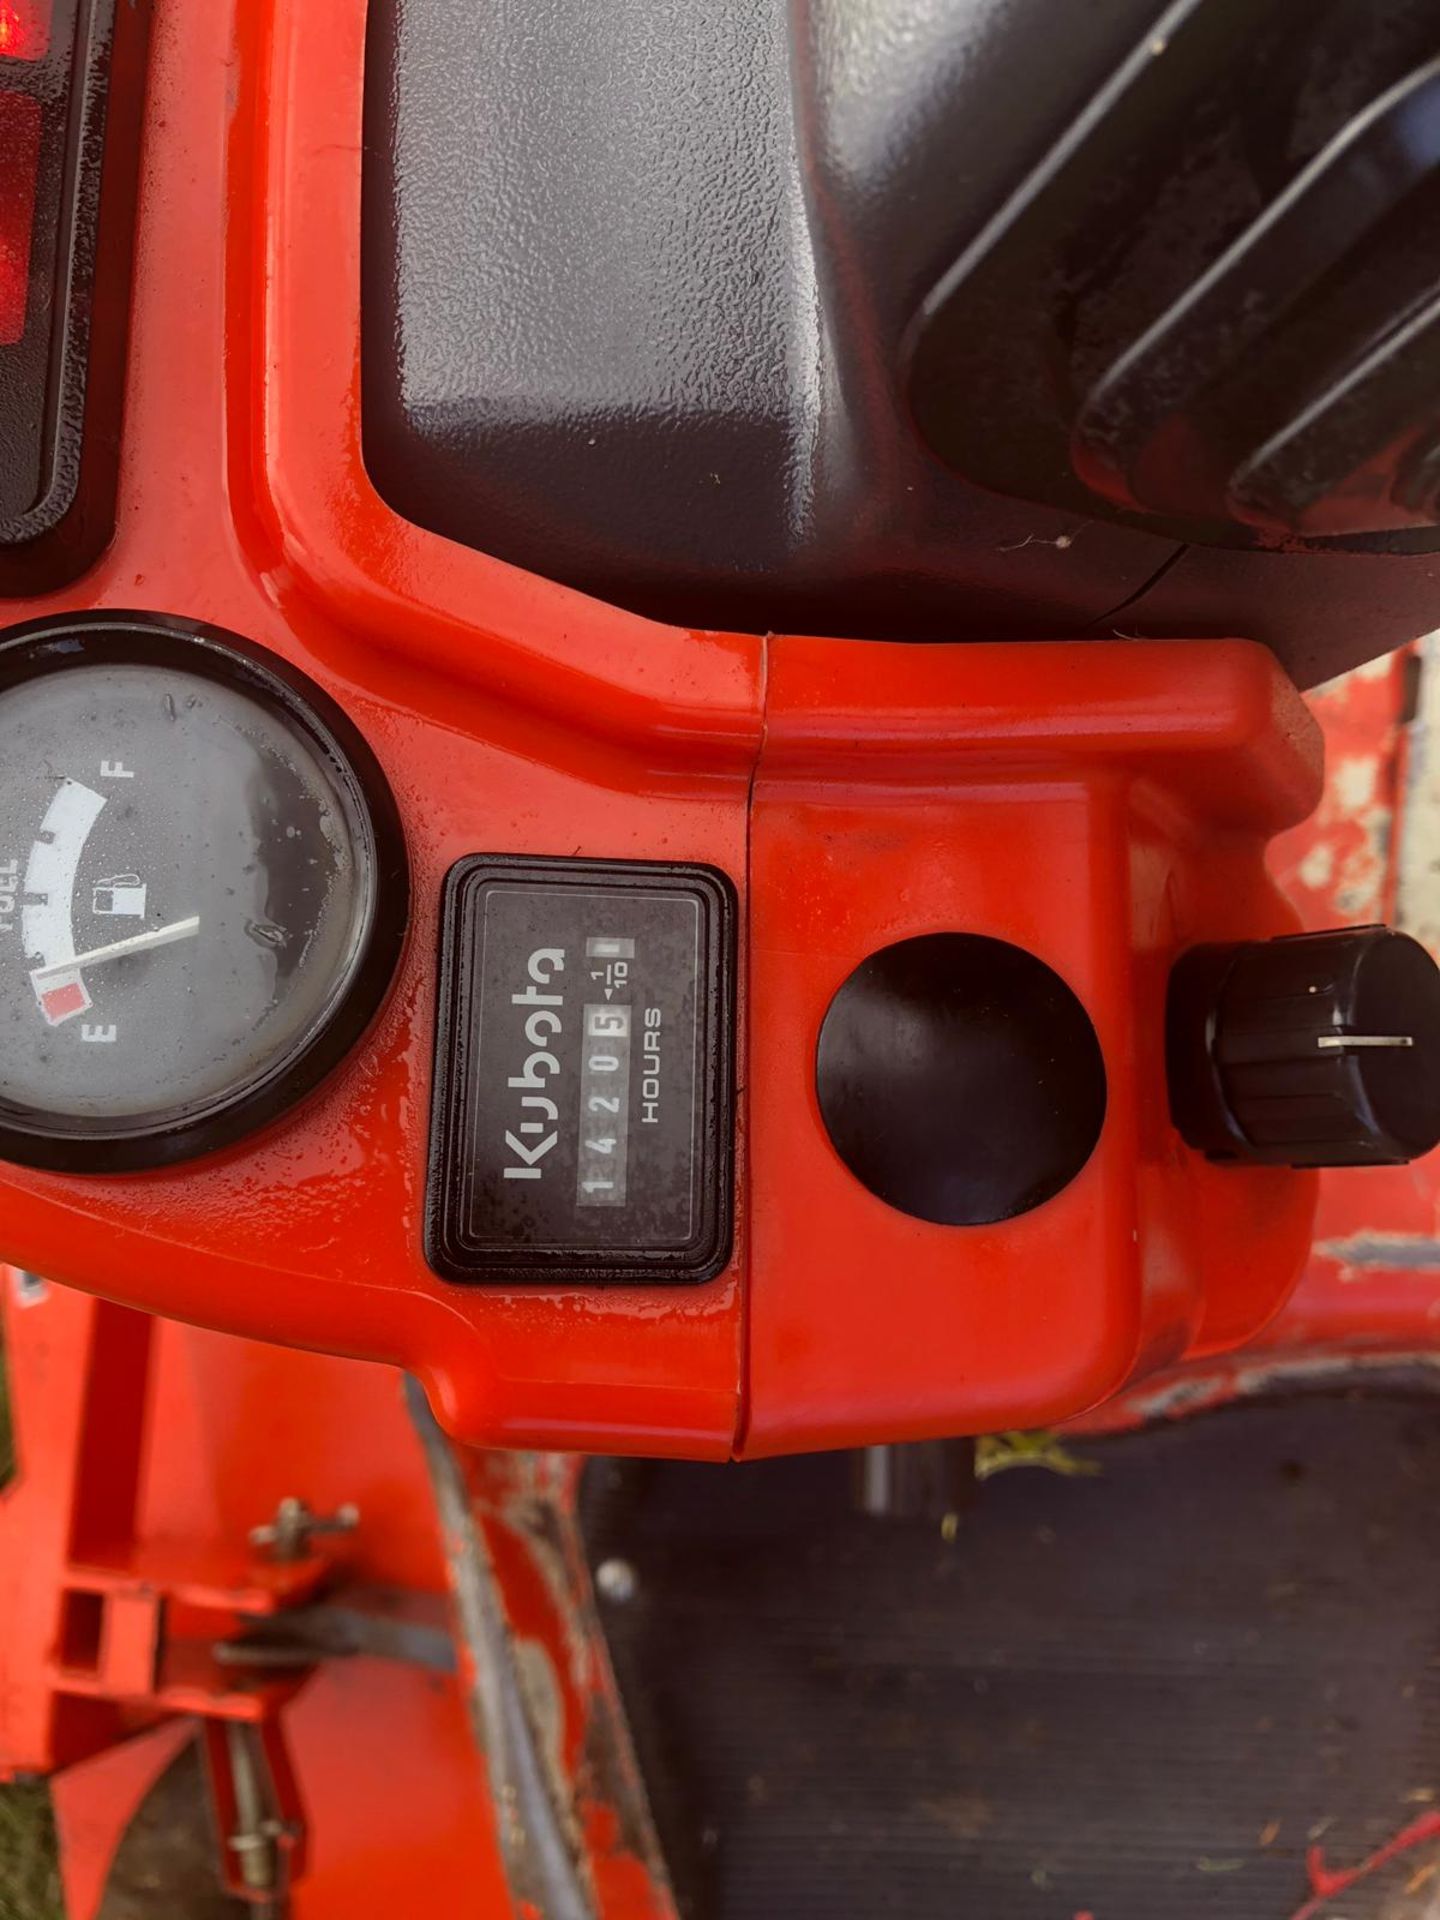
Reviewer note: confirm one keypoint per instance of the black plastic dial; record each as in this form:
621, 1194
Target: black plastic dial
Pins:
1314, 1050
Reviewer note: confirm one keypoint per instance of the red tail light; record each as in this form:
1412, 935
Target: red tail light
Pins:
24, 29
19, 166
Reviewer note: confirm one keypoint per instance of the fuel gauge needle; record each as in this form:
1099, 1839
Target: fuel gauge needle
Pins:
119, 949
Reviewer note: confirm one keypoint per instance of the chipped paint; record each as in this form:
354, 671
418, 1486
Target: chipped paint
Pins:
1389, 1252
548, 1710
1372, 670
1181, 1396
1418, 886
1317, 869
1369, 1300
573, 1821
1353, 781
1340, 866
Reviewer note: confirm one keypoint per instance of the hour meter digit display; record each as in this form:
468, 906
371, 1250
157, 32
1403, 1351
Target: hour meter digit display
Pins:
604, 1137
582, 1108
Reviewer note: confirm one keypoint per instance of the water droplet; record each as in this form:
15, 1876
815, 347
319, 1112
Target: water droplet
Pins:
266, 934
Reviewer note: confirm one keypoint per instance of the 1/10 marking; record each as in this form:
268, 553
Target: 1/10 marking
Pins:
615, 955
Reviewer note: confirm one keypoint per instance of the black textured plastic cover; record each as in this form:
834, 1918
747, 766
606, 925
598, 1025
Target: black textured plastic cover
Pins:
637, 285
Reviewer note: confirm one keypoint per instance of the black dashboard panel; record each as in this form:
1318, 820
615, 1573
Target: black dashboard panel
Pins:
641, 290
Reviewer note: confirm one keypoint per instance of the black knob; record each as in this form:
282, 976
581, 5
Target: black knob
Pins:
1316, 1050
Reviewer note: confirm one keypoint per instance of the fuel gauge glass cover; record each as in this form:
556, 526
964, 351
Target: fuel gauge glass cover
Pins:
203, 890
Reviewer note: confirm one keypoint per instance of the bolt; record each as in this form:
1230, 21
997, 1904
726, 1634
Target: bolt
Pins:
615, 1581
289, 1534
253, 1841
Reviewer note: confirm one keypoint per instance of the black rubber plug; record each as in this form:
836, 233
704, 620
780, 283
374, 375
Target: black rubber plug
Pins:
960, 1079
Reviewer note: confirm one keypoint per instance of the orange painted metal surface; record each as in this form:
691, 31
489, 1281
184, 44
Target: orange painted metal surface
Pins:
387, 1787
1369, 1296
377, 1831
1091, 806
236, 395
523, 1504
94, 1802
1104, 804
396, 1798
229, 1426
146, 1453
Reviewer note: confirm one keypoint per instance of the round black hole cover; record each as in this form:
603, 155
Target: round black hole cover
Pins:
960, 1079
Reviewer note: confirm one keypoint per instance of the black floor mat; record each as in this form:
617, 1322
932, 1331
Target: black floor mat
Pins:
1138, 1697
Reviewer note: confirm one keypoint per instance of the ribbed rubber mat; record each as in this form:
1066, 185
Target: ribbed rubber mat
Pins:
1139, 1696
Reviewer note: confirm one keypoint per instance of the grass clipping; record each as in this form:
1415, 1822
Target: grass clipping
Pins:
29, 1862
1002, 1452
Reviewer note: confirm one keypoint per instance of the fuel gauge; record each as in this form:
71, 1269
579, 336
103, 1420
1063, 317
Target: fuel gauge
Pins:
203, 891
